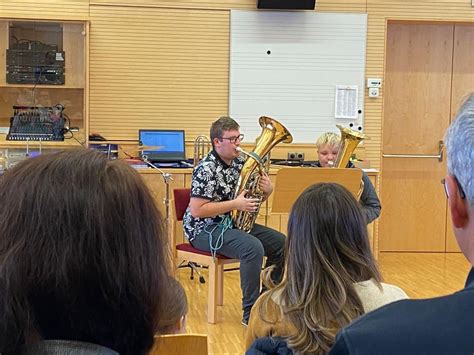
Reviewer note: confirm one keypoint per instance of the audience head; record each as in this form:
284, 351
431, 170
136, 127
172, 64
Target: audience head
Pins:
460, 179
327, 251
174, 321
327, 145
326, 226
81, 254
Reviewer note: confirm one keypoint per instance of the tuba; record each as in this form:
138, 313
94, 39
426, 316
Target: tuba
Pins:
350, 139
257, 163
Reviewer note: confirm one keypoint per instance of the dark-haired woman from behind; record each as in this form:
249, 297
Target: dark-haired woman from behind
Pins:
330, 278
83, 267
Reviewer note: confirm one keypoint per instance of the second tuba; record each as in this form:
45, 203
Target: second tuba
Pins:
350, 139
273, 132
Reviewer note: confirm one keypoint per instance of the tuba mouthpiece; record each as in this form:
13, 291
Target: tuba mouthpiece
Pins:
251, 155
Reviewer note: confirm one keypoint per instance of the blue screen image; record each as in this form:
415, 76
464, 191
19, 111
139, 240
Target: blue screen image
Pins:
163, 145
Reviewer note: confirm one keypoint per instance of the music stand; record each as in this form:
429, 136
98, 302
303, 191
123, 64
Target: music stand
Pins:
291, 182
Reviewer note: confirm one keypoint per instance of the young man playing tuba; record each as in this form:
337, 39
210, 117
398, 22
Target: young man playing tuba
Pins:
207, 221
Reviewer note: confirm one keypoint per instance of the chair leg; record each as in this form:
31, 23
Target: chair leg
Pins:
220, 284
212, 298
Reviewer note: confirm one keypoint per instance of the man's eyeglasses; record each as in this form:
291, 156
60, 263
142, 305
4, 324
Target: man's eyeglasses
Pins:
461, 191
239, 138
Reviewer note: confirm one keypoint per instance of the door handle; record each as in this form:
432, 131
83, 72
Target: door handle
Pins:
439, 156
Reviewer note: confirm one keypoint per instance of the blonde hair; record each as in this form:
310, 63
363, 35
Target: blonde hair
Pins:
328, 138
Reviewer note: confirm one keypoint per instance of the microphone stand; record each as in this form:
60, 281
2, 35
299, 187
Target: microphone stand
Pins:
167, 178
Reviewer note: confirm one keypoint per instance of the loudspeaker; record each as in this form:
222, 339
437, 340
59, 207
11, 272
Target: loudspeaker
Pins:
286, 4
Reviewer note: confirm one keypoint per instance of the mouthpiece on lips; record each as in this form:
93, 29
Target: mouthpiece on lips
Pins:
241, 151
331, 163
249, 154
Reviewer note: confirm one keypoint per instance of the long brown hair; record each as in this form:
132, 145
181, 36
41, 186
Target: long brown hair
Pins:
81, 254
327, 251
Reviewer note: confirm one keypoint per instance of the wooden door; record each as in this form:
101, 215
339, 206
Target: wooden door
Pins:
463, 84
416, 115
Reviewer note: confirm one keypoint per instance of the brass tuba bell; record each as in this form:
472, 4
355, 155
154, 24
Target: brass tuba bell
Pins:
350, 139
273, 132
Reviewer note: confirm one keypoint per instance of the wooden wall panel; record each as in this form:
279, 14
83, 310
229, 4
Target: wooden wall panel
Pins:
325, 5
403, 224
187, 4
341, 5
45, 9
157, 68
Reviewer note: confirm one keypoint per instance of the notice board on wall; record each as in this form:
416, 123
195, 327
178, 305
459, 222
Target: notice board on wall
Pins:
303, 68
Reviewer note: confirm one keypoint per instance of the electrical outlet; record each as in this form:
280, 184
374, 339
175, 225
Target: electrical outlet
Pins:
373, 92
295, 156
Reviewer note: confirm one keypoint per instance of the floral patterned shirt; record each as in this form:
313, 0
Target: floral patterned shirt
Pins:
215, 181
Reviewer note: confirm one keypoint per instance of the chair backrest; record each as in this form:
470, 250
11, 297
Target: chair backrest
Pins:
181, 202
180, 344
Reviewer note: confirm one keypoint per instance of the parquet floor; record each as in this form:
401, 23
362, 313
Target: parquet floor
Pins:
421, 275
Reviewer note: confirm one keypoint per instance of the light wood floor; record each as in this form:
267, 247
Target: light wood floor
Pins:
420, 275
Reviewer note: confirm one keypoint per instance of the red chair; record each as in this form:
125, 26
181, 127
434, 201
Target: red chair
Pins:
181, 202
186, 252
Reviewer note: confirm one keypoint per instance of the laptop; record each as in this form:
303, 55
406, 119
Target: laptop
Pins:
162, 146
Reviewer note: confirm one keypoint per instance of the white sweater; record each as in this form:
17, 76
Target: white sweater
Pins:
372, 297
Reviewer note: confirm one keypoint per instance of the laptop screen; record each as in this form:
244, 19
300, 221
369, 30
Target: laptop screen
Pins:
162, 145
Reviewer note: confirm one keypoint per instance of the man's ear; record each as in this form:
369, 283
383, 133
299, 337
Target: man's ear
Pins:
457, 205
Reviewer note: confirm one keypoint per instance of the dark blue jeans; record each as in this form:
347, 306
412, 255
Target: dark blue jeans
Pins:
249, 249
